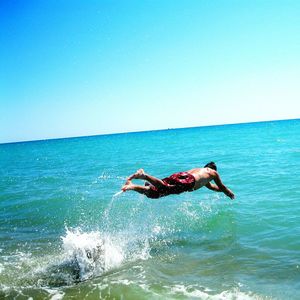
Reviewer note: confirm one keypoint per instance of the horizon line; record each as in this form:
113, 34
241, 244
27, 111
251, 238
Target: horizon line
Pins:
144, 131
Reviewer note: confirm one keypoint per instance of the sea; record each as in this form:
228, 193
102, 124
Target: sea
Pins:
66, 231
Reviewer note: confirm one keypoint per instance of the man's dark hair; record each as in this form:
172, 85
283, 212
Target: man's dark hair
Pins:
211, 165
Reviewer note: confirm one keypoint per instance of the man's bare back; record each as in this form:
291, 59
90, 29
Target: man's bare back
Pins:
179, 182
202, 176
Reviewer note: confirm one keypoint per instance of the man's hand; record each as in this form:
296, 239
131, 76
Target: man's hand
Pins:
230, 194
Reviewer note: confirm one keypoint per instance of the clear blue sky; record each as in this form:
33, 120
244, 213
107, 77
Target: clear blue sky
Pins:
72, 68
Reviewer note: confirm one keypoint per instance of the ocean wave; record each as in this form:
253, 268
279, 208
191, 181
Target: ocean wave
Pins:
196, 292
146, 290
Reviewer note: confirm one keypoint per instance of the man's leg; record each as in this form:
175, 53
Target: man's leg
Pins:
137, 188
140, 174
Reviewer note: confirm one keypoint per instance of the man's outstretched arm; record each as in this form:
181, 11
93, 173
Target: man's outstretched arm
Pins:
213, 187
219, 186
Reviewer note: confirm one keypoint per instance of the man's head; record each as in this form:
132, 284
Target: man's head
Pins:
211, 165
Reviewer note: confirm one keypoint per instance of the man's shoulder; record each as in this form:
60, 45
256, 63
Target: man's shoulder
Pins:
211, 172
195, 170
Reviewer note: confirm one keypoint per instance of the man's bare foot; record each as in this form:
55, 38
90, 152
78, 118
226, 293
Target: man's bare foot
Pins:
139, 174
128, 186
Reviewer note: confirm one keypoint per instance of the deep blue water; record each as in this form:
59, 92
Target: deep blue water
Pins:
63, 235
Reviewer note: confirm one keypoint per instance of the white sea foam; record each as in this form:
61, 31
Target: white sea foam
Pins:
55, 294
206, 294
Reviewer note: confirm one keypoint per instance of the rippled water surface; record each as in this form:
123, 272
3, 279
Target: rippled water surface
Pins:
66, 234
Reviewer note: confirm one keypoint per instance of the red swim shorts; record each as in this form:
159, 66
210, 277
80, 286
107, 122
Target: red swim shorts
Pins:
175, 184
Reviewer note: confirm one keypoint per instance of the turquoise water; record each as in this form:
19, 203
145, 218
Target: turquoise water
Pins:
64, 235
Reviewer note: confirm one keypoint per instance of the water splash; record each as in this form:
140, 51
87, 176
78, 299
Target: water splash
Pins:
106, 213
93, 252
117, 194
